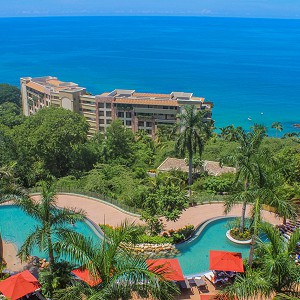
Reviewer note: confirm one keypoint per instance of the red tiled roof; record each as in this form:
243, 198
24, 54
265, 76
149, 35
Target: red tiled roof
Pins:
36, 86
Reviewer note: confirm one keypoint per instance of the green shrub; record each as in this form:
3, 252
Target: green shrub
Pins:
215, 184
180, 234
241, 236
154, 239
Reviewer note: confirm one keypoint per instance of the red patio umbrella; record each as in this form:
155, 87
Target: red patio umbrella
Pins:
19, 285
215, 297
86, 276
226, 261
207, 297
169, 266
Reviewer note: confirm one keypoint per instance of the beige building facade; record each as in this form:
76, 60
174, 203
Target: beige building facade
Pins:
137, 111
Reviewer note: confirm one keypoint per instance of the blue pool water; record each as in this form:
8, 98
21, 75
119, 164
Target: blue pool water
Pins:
16, 225
194, 257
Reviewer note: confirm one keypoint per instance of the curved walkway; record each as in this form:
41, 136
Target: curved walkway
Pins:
100, 212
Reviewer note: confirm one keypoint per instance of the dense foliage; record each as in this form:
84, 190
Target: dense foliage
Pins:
9, 93
53, 144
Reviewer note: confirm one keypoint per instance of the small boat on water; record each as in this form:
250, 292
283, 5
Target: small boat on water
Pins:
296, 125
249, 118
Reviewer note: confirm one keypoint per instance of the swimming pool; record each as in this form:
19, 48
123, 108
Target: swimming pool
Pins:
194, 254
16, 225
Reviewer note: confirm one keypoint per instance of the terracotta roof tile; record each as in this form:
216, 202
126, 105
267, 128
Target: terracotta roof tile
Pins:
146, 101
54, 82
151, 95
211, 167
36, 86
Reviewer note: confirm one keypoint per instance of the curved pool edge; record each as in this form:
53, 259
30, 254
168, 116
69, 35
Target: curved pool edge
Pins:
90, 223
95, 228
201, 227
247, 242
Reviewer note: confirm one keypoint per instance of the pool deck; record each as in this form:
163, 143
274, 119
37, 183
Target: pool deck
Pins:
100, 212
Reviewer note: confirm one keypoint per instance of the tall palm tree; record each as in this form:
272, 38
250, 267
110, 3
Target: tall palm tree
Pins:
277, 126
52, 225
276, 271
121, 272
267, 179
194, 129
242, 158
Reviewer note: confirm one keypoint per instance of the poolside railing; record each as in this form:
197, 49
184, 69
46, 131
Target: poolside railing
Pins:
101, 197
204, 199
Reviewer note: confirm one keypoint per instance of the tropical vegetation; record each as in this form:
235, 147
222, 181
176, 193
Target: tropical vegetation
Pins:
54, 223
118, 273
275, 272
52, 146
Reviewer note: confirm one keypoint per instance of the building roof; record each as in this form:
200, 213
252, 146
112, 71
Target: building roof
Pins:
147, 98
49, 83
36, 86
146, 101
171, 163
211, 167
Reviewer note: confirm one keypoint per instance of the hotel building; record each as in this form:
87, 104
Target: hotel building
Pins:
137, 111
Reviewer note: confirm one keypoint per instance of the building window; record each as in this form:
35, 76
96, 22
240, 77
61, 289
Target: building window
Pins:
128, 115
101, 105
148, 124
108, 105
108, 113
108, 121
149, 131
120, 114
128, 123
101, 121
101, 113
141, 123
101, 128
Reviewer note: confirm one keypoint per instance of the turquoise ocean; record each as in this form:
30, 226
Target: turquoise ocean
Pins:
249, 68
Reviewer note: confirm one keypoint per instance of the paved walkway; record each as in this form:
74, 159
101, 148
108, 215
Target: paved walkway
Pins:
100, 212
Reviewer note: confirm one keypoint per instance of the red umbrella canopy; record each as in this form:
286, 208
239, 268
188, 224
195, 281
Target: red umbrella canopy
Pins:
170, 268
86, 276
226, 261
19, 285
215, 297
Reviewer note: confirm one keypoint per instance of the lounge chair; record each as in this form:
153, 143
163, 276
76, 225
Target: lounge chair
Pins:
200, 283
210, 276
184, 284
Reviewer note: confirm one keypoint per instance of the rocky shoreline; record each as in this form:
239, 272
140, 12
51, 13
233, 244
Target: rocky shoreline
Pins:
152, 250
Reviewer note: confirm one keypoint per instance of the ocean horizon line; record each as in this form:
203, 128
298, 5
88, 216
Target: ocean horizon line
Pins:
145, 15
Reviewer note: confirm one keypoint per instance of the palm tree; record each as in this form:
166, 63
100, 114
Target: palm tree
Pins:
276, 272
121, 272
52, 222
249, 145
277, 126
194, 129
9, 188
230, 133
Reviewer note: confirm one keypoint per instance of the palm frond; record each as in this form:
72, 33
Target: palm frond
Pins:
251, 285
37, 237
67, 215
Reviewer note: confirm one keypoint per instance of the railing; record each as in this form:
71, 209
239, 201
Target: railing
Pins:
205, 199
97, 196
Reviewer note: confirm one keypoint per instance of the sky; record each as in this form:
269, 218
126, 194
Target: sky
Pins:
213, 8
